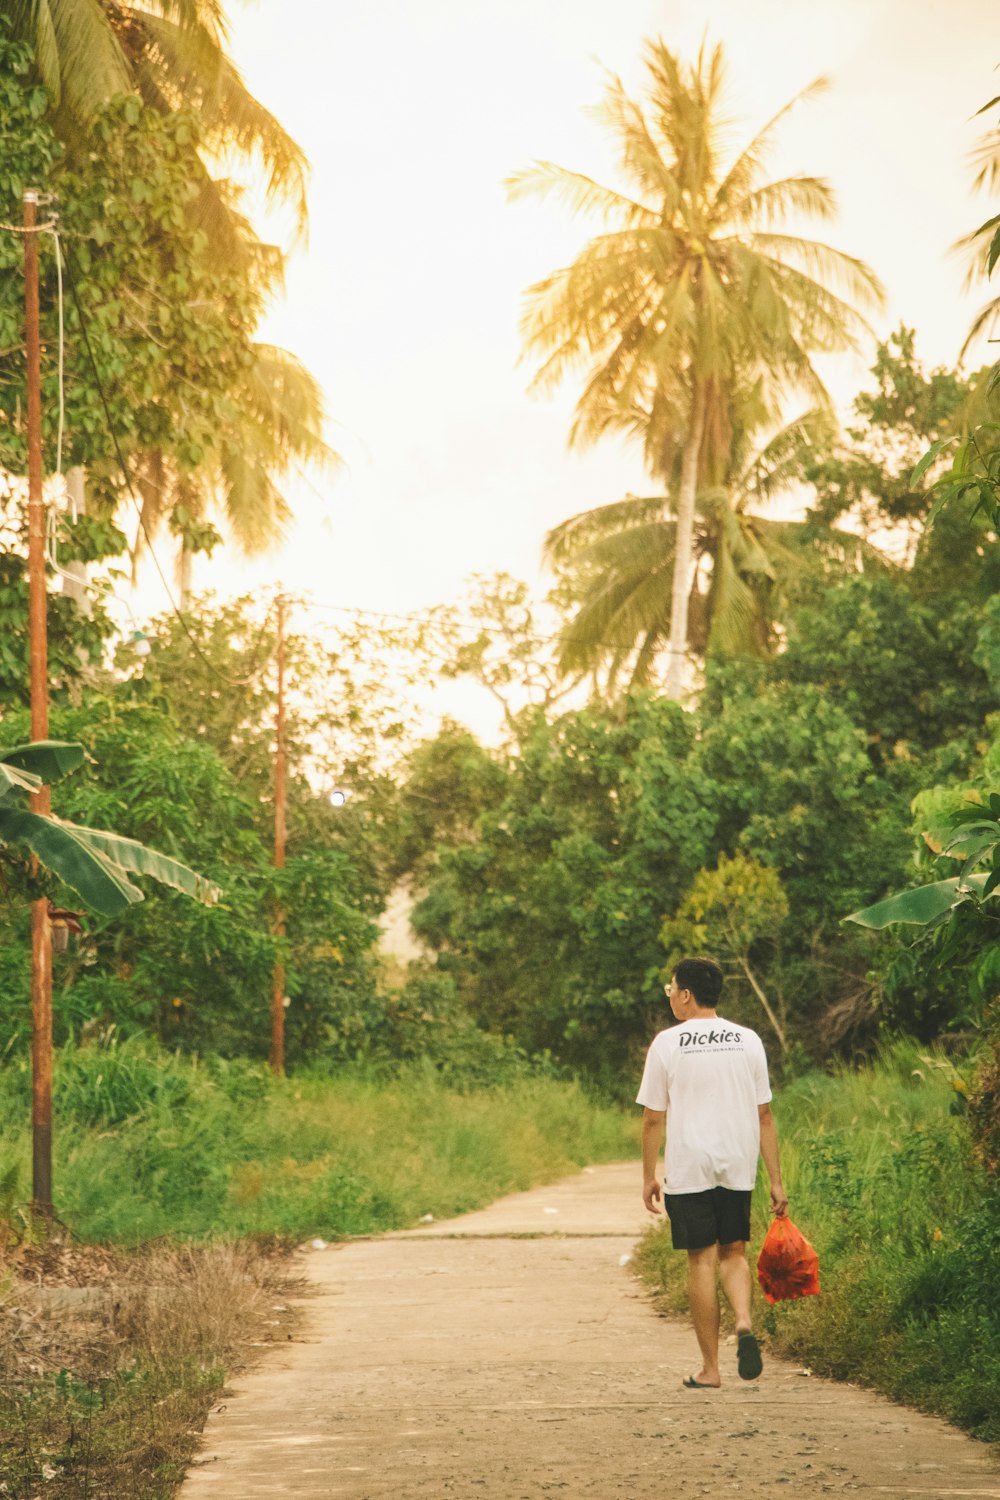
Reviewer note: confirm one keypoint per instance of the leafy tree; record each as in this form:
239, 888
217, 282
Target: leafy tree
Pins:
938, 958
693, 295
201, 976
614, 828
730, 912
548, 921
503, 640
906, 667
159, 325
959, 822
799, 794
868, 482
348, 718
172, 55
450, 782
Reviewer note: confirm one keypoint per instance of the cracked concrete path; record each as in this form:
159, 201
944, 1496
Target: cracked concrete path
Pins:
510, 1355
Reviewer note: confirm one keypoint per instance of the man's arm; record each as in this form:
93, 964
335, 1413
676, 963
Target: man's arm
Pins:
652, 1139
769, 1151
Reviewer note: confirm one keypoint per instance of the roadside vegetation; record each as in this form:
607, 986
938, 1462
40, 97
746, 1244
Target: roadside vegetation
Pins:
884, 1182
109, 1363
158, 1145
186, 1183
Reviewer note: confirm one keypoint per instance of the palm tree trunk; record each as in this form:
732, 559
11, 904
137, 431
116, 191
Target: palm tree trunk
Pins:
684, 547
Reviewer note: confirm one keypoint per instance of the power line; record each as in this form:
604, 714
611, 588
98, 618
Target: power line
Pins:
429, 617
562, 638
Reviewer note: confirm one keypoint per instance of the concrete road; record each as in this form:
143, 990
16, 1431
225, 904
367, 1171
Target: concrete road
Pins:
510, 1354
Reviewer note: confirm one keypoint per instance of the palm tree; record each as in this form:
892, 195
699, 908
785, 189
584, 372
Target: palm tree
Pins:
277, 422
692, 292
982, 246
172, 53
622, 558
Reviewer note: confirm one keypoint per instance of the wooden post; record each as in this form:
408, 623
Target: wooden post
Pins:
278, 988
41, 933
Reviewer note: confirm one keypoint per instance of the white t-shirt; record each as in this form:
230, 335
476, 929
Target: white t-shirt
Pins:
709, 1076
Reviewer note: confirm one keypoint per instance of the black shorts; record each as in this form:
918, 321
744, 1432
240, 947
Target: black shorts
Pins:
718, 1216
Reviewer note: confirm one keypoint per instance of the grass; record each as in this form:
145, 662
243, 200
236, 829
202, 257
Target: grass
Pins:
878, 1166
109, 1400
151, 1144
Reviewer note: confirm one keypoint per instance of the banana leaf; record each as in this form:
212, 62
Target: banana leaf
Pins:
94, 863
925, 904
61, 850
138, 859
14, 783
48, 759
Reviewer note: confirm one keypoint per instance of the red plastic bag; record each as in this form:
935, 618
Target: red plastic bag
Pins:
788, 1266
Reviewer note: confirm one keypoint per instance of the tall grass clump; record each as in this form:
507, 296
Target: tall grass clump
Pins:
153, 1144
882, 1179
109, 1399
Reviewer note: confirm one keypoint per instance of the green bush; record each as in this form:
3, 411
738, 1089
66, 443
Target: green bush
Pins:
427, 1021
984, 1100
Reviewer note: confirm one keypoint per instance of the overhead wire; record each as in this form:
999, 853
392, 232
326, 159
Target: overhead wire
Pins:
431, 617
561, 638
51, 539
54, 231
51, 226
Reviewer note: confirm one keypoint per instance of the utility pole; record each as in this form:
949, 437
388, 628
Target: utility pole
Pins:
41, 932
278, 990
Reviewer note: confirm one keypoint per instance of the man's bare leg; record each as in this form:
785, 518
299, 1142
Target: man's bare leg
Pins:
703, 1298
736, 1282
734, 1273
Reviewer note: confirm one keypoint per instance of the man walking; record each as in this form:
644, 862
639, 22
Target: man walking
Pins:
707, 1078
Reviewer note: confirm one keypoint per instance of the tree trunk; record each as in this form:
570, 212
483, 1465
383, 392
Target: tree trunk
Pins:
778, 1028
684, 547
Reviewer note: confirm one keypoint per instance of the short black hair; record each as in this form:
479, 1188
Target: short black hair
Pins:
703, 977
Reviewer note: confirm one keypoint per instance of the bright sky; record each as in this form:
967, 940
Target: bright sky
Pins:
405, 303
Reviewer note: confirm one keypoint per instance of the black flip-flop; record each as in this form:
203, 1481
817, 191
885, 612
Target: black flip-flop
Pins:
699, 1385
748, 1360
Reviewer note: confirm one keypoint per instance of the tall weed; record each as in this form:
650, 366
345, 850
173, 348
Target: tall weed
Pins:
149, 1144
882, 1179
108, 1398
